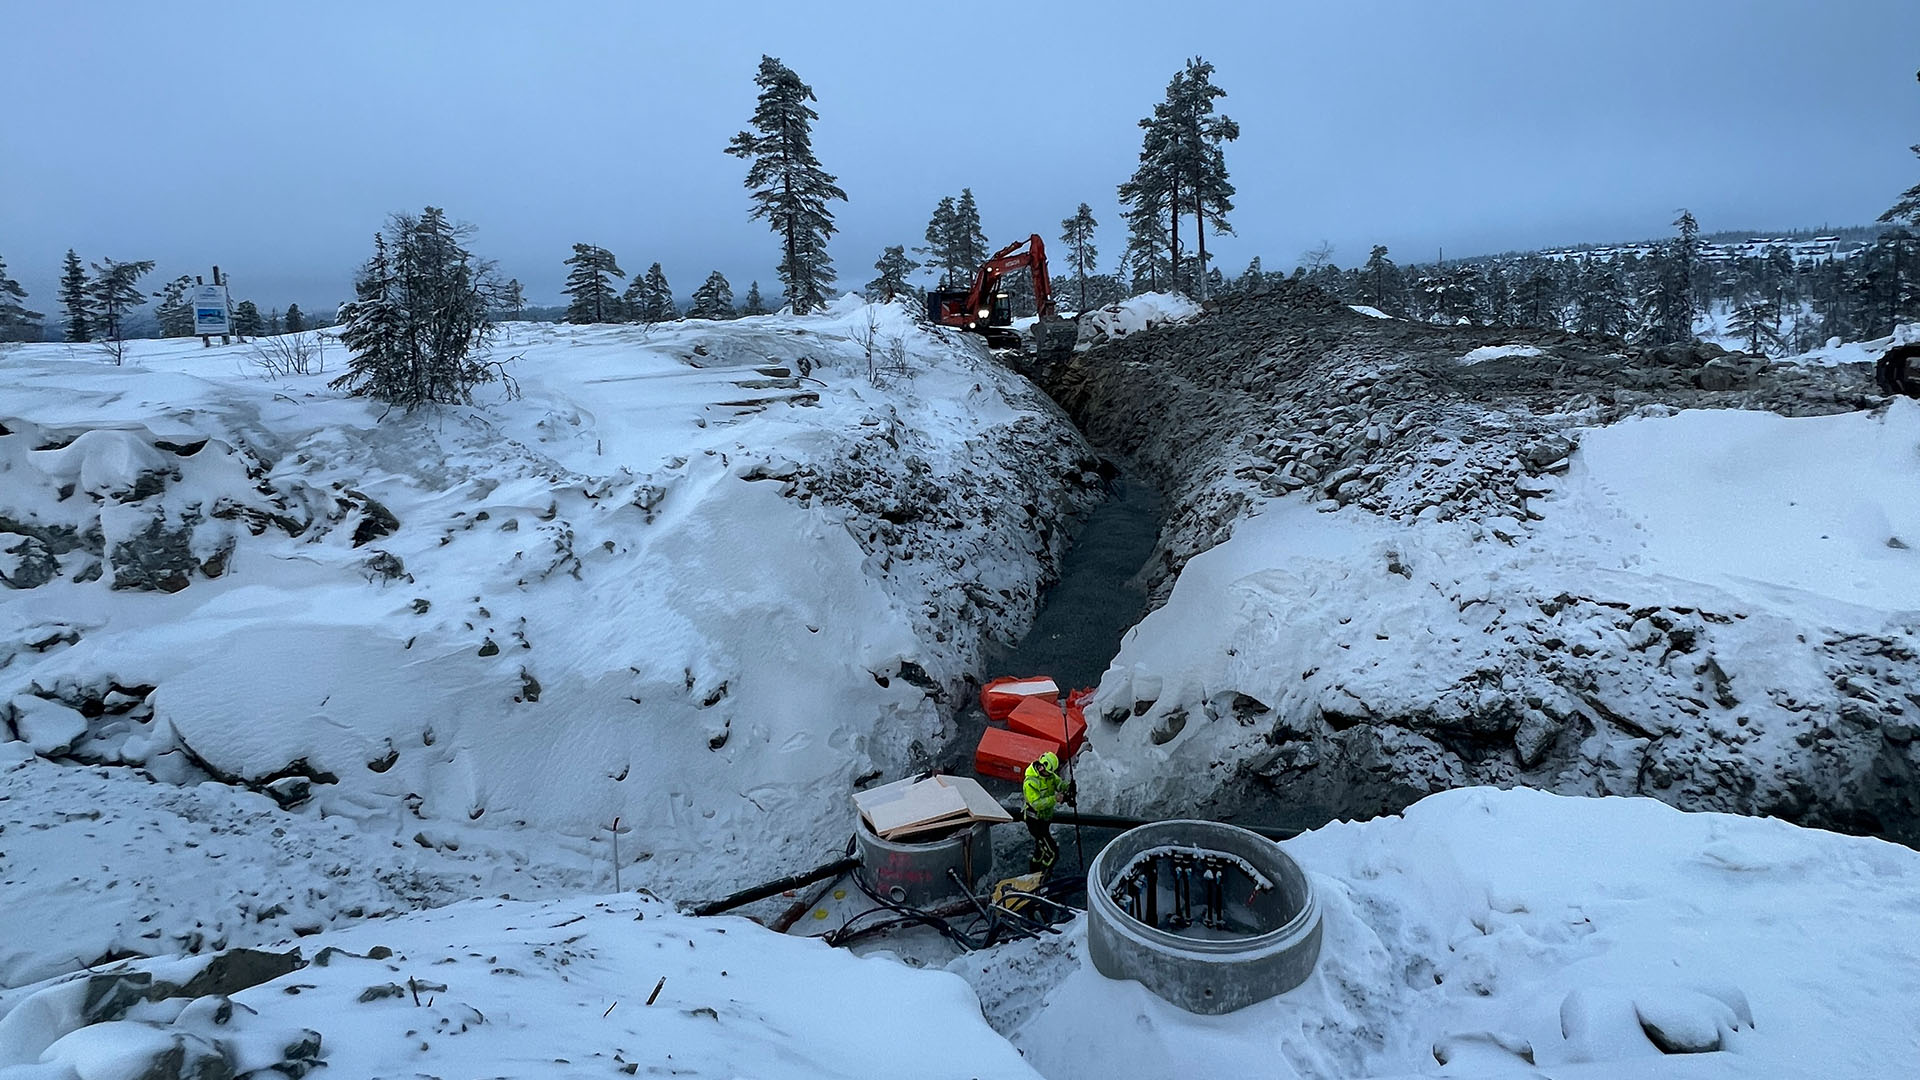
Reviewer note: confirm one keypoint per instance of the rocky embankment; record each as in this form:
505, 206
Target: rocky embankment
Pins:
1448, 441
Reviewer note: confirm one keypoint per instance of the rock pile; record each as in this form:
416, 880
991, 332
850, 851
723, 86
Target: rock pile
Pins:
1291, 392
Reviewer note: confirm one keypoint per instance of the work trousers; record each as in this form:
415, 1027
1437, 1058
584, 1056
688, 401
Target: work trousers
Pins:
1045, 851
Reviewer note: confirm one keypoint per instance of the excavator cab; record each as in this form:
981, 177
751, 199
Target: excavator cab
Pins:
992, 319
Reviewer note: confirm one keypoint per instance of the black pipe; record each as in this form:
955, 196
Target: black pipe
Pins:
1111, 821
774, 888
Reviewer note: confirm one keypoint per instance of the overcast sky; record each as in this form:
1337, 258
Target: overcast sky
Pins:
272, 138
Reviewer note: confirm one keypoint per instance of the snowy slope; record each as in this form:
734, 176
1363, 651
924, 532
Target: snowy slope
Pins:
698, 578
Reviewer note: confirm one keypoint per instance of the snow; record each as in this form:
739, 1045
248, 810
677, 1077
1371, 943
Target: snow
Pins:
563, 989
697, 577
1135, 314
1564, 926
1369, 311
1497, 352
1836, 352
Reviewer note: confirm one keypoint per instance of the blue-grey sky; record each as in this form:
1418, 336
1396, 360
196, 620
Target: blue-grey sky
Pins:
272, 138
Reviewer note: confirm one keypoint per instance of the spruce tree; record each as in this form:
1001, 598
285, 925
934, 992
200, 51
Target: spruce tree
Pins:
296, 321
513, 298
754, 305
968, 242
75, 298
1076, 234
712, 300
589, 286
247, 321
16, 322
939, 234
658, 298
115, 292
895, 268
421, 319
789, 189
631, 306
1251, 278
175, 310
1759, 323
1147, 265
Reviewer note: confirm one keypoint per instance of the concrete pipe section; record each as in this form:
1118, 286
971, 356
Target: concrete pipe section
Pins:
914, 872
1208, 916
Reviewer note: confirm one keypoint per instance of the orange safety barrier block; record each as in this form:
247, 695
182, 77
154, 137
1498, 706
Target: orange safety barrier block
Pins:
1006, 754
1000, 696
1045, 720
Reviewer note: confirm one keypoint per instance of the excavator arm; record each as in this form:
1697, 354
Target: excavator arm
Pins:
1006, 261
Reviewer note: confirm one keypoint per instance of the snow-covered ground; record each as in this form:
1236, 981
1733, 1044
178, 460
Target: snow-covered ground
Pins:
699, 578
1486, 929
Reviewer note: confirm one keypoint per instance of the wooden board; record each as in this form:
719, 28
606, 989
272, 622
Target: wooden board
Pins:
908, 807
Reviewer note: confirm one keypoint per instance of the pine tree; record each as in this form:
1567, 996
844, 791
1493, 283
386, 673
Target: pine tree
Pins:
1183, 163
1147, 264
713, 300
296, 321
754, 305
968, 242
16, 322
422, 317
657, 298
115, 291
513, 298
1379, 281
1601, 306
589, 288
895, 268
247, 321
75, 298
1076, 234
1153, 231
790, 190
175, 310
1667, 299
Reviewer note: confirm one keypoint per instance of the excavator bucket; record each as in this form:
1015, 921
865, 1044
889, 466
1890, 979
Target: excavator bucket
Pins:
1053, 341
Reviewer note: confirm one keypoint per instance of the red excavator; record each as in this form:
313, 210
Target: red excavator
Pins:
983, 309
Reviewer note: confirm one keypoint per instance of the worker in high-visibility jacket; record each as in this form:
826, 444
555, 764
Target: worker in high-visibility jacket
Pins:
1044, 790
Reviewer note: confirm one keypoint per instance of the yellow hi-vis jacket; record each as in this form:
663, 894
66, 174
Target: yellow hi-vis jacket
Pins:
1042, 792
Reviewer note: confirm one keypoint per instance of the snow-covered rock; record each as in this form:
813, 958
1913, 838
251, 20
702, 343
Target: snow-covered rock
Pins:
1398, 573
1132, 315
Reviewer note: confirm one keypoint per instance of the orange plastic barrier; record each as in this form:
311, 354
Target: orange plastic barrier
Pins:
1045, 720
1006, 754
1000, 696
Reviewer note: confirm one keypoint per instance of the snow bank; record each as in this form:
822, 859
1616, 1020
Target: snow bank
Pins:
1582, 933
1142, 312
1499, 352
619, 986
1369, 311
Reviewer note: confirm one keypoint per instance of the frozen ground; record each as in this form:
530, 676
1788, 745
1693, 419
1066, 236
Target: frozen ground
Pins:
699, 578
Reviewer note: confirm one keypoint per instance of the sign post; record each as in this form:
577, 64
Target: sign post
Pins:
211, 312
